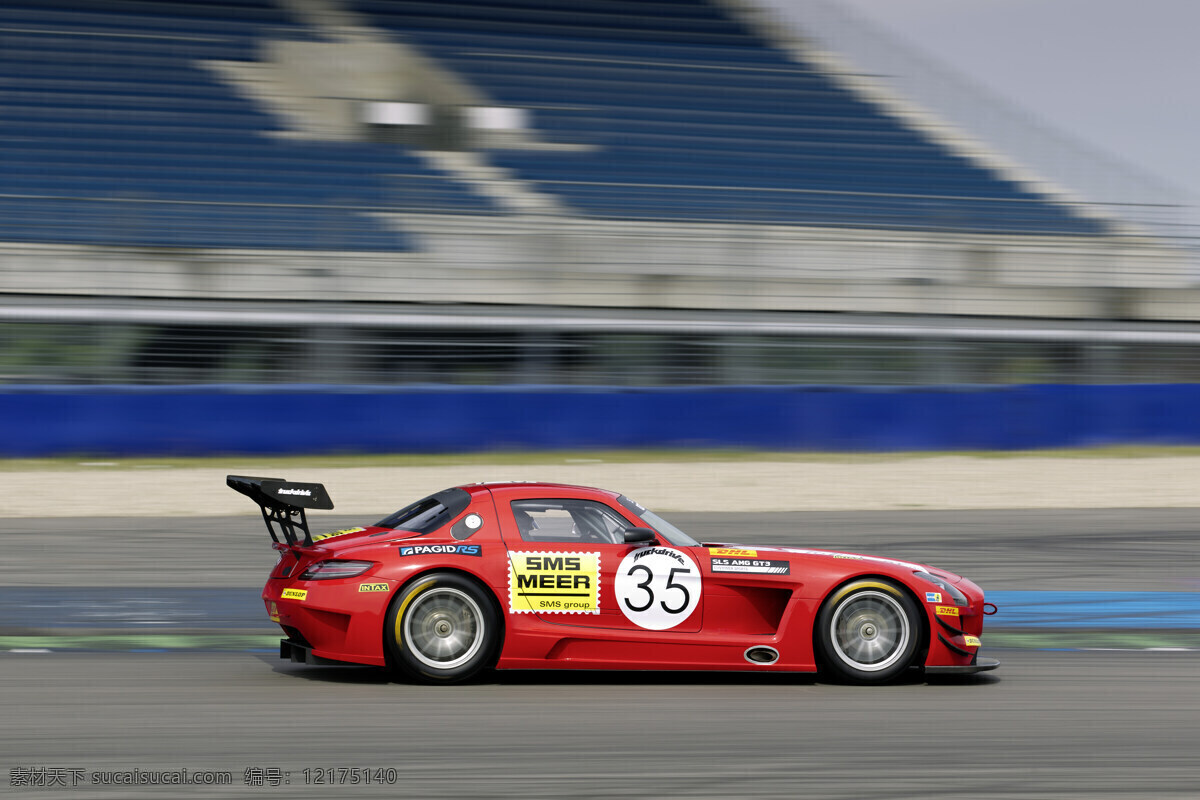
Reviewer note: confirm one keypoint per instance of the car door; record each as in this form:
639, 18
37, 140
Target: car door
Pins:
569, 564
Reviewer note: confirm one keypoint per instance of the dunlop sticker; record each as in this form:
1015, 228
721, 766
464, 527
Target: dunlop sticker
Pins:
372, 587
946, 611
332, 534
554, 583
732, 552
295, 594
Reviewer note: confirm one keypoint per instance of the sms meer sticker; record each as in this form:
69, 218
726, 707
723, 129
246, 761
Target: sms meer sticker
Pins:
554, 583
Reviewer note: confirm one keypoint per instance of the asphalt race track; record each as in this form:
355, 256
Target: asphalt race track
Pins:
1047, 724
1050, 725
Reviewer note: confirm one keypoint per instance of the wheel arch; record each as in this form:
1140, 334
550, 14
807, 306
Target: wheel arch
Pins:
416, 578
888, 581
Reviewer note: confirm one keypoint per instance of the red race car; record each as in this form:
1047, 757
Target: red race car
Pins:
544, 576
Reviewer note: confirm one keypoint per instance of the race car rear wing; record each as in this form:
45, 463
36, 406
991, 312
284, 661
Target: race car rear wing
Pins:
283, 503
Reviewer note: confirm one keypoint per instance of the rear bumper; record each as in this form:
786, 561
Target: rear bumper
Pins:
302, 654
980, 665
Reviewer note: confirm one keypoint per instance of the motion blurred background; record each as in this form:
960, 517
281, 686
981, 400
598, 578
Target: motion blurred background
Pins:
267, 226
259, 227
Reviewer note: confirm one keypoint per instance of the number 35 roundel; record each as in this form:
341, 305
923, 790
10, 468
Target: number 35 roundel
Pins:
657, 587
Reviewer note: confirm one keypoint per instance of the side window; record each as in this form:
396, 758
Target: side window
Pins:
568, 521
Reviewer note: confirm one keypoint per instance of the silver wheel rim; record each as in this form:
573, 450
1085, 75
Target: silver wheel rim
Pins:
869, 631
443, 628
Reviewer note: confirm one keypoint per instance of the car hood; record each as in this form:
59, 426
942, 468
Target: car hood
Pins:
751, 549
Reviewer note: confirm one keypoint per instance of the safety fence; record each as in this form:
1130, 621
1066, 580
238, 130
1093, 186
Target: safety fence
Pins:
310, 419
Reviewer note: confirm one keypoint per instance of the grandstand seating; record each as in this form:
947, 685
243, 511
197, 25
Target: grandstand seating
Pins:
112, 132
694, 118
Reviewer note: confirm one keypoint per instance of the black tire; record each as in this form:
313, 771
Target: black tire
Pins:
868, 631
442, 628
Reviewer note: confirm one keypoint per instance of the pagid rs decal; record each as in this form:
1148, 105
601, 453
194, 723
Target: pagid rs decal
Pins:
752, 565
441, 549
554, 583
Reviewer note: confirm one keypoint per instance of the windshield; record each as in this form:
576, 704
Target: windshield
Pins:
652, 520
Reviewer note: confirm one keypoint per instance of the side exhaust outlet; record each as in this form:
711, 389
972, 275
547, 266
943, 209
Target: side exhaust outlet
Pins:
761, 654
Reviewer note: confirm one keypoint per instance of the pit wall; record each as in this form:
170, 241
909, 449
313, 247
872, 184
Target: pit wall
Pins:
39, 421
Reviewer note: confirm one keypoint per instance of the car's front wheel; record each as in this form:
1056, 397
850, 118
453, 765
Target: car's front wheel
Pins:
442, 628
868, 631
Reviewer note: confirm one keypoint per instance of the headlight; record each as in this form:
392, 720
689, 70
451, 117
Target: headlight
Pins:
949, 588
328, 570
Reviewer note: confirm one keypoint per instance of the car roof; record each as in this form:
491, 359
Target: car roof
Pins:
536, 487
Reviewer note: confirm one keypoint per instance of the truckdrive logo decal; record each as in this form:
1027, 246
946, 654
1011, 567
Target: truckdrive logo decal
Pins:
759, 566
441, 549
554, 583
304, 492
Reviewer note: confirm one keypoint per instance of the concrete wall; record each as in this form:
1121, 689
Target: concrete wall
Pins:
575, 262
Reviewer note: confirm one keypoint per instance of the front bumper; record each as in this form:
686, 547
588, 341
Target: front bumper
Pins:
980, 665
955, 633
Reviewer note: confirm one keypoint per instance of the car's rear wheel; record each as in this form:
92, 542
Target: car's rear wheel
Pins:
442, 628
868, 631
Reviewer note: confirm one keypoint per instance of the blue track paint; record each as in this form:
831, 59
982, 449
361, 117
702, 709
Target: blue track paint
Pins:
1136, 610
147, 610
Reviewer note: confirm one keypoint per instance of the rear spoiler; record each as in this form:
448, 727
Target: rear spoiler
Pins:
283, 503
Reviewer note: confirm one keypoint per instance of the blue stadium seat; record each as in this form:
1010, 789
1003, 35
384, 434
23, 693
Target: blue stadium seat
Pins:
696, 118
114, 133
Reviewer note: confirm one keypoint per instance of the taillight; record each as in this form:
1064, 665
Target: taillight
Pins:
331, 569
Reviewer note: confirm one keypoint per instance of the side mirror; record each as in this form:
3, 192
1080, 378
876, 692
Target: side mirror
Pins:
640, 535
